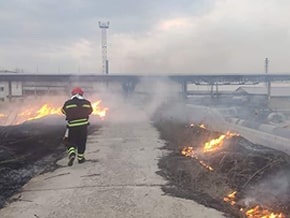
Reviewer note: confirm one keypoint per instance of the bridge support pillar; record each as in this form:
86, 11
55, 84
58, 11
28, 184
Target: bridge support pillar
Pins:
128, 87
211, 90
184, 89
269, 90
9, 90
216, 89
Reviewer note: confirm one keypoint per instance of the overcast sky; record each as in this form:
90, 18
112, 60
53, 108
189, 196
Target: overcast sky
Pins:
145, 36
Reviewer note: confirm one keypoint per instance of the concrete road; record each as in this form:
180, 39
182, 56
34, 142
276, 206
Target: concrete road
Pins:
118, 180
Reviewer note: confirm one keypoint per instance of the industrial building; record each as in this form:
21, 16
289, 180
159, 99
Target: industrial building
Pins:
16, 86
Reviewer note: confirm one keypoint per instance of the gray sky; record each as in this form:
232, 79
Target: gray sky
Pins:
145, 36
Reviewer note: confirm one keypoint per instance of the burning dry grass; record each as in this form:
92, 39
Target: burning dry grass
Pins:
231, 175
17, 113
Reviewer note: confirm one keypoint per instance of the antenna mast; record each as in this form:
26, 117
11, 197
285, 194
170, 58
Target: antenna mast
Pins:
266, 65
105, 63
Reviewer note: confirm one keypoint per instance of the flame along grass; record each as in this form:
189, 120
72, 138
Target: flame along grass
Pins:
230, 198
255, 212
260, 212
47, 109
209, 146
212, 145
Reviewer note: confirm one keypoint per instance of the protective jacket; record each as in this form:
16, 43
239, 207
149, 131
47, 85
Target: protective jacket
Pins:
77, 111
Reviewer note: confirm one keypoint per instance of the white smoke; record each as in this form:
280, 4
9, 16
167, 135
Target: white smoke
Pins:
270, 190
139, 105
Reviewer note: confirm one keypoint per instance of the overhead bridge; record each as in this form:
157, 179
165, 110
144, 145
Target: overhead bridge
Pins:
129, 82
209, 78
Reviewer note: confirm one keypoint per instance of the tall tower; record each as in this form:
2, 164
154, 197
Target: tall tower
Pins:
104, 26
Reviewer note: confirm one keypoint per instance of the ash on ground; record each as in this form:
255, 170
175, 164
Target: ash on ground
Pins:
27, 150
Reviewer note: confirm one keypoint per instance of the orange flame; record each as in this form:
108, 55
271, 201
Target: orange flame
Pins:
214, 144
97, 110
230, 198
208, 147
189, 152
255, 212
260, 212
202, 163
200, 126
46, 109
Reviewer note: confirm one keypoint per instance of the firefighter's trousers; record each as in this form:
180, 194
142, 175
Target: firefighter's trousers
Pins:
77, 138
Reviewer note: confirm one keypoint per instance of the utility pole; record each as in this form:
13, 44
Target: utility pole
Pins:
268, 81
266, 65
105, 63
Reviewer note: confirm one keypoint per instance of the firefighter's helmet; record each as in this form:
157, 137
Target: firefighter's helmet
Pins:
77, 90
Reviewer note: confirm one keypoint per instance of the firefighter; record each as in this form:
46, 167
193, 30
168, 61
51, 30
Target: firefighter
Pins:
77, 110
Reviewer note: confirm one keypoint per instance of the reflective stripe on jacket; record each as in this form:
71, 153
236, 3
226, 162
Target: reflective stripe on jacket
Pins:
79, 122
